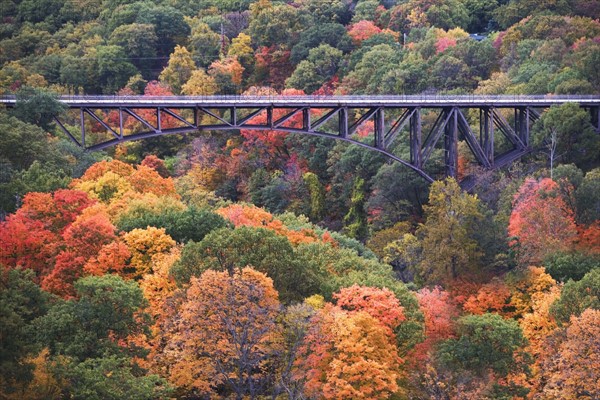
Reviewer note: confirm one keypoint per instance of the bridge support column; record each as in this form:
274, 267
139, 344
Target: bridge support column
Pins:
486, 133
379, 128
522, 125
451, 143
306, 119
343, 122
416, 139
595, 112
82, 123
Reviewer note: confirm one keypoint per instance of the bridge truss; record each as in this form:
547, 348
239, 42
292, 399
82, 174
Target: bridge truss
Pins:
105, 121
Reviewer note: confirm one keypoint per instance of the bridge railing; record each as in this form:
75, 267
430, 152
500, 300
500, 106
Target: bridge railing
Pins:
10, 98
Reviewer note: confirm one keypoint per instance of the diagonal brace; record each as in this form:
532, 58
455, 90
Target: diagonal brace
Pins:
104, 124
472, 142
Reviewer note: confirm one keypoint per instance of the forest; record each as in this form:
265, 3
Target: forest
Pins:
268, 265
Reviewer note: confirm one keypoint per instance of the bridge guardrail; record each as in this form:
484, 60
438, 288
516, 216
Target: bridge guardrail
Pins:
6, 98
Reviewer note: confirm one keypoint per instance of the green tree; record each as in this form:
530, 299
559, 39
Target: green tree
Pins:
21, 143
365, 10
368, 73
38, 107
332, 34
481, 57
89, 338
512, 12
449, 247
190, 224
79, 75
96, 324
317, 196
584, 60
139, 43
21, 301
204, 43
169, 26
312, 73
273, 24
262, 249
576, 296
355, 221
484, 343
451, 73
565, 266
588, 201
112, 378
391, 202
481, 14
43, 11
37, 178
271, 191
179, 69
447, 14
576, 140
113, 69
324, 11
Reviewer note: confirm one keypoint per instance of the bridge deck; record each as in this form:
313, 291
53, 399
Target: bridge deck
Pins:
334, 117
429, 101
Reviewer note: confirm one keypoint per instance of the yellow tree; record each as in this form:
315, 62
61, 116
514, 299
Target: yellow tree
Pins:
537, 327
158, 286
449, 249
574, 371
144, 244
241, 48
200, 84
179, 69
348, 356
226, 333
108, 187
527, 286
159, 289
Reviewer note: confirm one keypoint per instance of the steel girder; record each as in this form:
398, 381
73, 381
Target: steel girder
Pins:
331, 117
451, 124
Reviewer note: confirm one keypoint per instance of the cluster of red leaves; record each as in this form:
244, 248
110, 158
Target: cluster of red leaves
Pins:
541, 222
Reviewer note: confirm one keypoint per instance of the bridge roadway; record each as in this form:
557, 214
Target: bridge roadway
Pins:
392, 101
336, 117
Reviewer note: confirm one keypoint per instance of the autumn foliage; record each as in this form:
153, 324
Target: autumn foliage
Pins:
541, 222
348, 356
225, 332
363, 30
380, 304
440, 312
206, 262
242, 215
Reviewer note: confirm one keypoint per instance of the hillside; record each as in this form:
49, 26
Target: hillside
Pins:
262, 264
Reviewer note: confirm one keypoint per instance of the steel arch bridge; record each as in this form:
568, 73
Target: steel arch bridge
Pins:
336, 117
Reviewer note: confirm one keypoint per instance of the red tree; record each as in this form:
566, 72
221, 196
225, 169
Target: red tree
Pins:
362, 30
541, 222
151, 161
55, 210
27, 244
381, 304
440, 311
